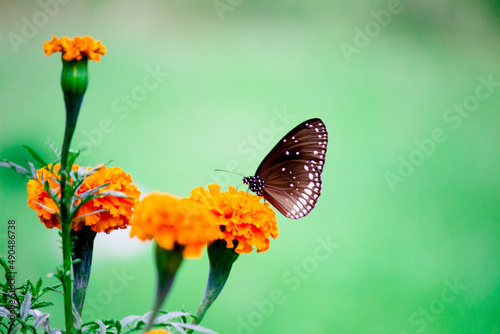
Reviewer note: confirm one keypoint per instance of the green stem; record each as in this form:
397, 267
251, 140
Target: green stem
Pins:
67, 281
73, 103
66, 229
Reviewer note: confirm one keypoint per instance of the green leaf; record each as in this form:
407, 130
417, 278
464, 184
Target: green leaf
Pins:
91, 191
41, 304
72, 155
197, 328
128, 320
31, 287
35, 156
4, 312
32, 169
19, 169
40, 318
171, 315
25, 306
102, 327
38, 287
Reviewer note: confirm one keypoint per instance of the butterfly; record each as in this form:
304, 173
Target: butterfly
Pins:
289, 177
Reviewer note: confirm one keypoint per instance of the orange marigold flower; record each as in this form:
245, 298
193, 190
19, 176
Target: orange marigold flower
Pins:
118, 209
157, 331
171, 220
241, 215
75, 48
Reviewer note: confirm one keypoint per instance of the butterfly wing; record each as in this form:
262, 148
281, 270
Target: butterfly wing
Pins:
292, 170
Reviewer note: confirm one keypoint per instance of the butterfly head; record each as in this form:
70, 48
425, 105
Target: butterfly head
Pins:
255, 184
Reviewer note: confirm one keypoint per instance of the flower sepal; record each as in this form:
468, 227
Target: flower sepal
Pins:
221, 261
167, 264
74, 79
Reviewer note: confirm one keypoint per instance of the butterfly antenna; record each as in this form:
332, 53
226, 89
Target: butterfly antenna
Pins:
230, 172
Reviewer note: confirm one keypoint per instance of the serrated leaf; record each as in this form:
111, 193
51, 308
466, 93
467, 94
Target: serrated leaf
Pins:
91, 191
177, 327
32, 169
91, 213
35, 156
171, 315
40, 318
72, 155
45, 207
16, 167
38, 286
52, 288
145, 317
114, 193
102, 327
128, 320
4, 312
41, 304
30, 284
197, 328
14, 331
25, 306
81, 173
118, 326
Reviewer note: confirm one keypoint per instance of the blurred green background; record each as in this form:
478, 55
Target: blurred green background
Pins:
411, 184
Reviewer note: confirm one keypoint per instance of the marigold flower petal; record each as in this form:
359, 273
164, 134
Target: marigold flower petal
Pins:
75, 48
118, 210
241, 215
171, 220
157, 331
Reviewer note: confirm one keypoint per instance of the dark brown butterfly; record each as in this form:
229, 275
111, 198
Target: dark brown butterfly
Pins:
289, 177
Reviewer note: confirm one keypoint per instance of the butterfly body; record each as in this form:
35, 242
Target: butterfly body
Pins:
289, 177
255, 184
